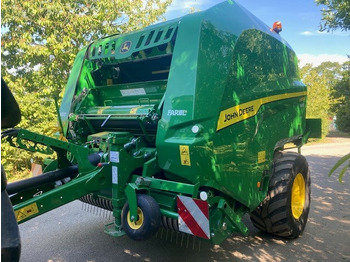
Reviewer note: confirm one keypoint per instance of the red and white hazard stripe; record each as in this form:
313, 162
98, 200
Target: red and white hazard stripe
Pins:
193, 216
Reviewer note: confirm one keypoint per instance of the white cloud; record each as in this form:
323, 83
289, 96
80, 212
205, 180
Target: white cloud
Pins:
307, 33
324, 33
316, 60
315, 33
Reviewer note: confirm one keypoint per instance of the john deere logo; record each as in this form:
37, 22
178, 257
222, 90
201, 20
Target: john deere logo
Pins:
125, 47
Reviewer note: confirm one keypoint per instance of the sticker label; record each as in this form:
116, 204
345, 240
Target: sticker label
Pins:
133, 92
185, 155
261, 156
114, 156
26, 212
115, 175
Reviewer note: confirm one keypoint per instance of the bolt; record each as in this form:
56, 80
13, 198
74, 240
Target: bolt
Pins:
224, 226
132, 218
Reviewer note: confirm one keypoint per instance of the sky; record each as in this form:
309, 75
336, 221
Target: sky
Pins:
300, 26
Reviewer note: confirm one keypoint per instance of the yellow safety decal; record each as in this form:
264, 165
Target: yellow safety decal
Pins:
101, 110
243, 111
134, 109
185, 155
109, 81
261, 157
26, 212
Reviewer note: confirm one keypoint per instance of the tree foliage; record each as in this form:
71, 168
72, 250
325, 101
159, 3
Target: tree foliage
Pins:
341, 94
39, 42
320, 81
328, 93
335, 15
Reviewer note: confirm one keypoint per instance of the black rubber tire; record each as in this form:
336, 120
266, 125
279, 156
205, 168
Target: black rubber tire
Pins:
274, 215
151, 218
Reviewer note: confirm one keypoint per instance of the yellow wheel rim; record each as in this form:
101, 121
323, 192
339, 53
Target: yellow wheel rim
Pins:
136, 224
298, 196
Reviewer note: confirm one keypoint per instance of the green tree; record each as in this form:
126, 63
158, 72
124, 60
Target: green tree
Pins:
320, 81
331, 71
39, 42
341, 94
335, 15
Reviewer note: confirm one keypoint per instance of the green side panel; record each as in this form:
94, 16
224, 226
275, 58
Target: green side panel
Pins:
234, 60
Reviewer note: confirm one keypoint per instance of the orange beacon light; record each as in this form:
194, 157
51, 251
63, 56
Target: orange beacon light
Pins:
277, 27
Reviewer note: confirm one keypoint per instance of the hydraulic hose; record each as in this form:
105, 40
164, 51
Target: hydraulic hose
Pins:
48, 177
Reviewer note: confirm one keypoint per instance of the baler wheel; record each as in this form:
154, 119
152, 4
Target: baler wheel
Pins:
147, 222
285, 210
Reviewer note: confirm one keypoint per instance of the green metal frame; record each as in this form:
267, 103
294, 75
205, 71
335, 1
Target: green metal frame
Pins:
34, 142
90, 178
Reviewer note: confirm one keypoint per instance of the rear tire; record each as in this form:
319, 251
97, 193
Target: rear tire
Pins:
285, 210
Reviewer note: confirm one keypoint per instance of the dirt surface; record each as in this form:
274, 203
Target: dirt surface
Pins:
71, 234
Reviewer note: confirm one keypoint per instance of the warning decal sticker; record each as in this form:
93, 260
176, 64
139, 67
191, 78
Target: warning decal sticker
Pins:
193, 216
261, 157
26, 212
185, 155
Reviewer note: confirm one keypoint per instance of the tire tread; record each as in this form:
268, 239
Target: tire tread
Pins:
272, 214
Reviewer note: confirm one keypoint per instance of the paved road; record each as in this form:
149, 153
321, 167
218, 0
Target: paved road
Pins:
72, 234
